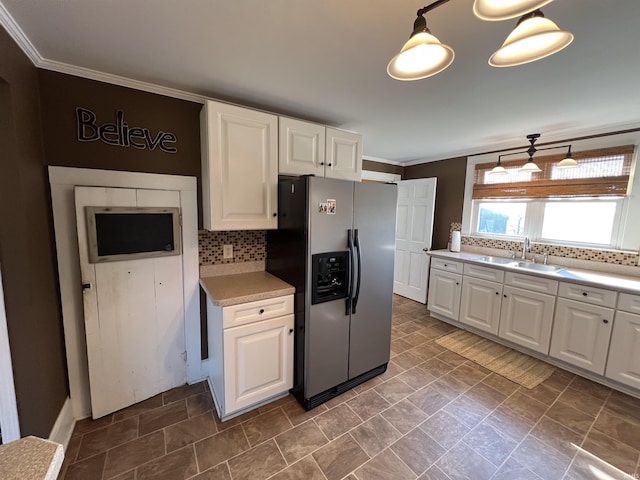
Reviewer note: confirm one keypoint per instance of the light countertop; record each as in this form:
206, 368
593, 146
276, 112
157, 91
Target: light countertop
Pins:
30, 458
225, 290
620, 283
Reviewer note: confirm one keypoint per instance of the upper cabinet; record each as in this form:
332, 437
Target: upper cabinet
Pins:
312, 149
239, 168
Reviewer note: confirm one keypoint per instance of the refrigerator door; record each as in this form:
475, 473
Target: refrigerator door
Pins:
327, 325
375, 221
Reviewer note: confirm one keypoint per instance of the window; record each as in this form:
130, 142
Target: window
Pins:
580, 206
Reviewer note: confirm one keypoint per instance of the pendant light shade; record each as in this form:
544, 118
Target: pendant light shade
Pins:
530, 166
421, 56
568, 161
494, 10
498, 169
534, 37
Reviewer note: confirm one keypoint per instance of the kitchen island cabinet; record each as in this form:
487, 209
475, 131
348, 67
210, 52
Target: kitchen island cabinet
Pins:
250, 342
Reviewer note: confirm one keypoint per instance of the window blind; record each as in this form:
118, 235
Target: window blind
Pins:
602, 172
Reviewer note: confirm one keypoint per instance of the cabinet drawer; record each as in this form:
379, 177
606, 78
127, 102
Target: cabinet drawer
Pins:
629, 303
486, 273
259, 310
531, 282
447, 265
593, 295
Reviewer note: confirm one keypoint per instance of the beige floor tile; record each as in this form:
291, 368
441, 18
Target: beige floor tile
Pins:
132, 454
501, 384
436, 367
526, 406
221, 447
582, 401
618, 429
510, 423
337, 421
108, 437
404, 416
461, 462
394, 390
375, 435
559, 379
219, 472
485, 395
89, 469
491, 443
138, 408
450, 386
416, 378
199, 404
259, 462
434, 473
624, 406
541, 459
570, 417
418, 450
594, 389
385, 466
266, 426
340, 457
467, 411
184, 391
162, 417
300, 441
444, 429
306, 469
541, 393
87, 425
178, 465
369, 403
513, 470
612, 451
189, 431
297, 414
470, 373
557, 435
428, 399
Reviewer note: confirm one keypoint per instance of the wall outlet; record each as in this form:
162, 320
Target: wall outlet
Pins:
227, 251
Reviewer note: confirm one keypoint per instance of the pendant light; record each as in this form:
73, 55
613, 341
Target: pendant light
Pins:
494, 10
531, 166
498, 169
534, 37
568, 161
422, 55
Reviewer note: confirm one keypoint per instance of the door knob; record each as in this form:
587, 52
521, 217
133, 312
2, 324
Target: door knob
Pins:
425, 249
290, 330
86, 286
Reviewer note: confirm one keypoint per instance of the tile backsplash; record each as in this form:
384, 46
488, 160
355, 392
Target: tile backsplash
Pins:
248, 246
615, 257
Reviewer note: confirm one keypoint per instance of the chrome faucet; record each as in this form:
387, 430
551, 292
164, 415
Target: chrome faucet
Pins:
525, 246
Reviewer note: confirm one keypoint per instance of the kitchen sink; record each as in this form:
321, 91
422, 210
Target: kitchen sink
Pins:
496, 260
538, 266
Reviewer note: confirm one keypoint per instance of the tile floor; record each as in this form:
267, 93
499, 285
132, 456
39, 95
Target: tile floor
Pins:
432, 416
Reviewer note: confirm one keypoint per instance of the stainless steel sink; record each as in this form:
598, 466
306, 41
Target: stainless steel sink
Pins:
496, 260
538, 266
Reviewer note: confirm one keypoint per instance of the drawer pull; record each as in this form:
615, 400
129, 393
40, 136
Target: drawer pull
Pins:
605, 320
457, 283
584, 294
261, 311
497, 293
446, 265
290, 331
505, 295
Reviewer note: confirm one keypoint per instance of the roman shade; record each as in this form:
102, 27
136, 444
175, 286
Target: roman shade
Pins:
601, 172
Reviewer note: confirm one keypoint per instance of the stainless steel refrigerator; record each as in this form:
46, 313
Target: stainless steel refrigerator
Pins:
335, 243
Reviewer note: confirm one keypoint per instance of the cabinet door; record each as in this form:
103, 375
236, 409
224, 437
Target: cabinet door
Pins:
301, 149
343, 156
480, 305
526, 318
239, 168
258, 362
624, 355
444, 293
581, 333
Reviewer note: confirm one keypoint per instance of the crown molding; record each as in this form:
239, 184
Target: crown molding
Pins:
83, 72
18, 36
382, 160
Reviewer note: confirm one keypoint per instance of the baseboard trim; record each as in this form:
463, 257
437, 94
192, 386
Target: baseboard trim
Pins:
63, 428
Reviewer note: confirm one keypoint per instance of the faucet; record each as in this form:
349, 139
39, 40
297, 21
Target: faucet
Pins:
525, 246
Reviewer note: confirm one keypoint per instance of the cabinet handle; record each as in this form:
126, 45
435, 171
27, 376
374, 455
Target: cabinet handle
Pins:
446, 265
605, 320
457, 283
328, 164
321, 163
584, 294
505, 295
275, 214
497, 293
290, 331
261, 311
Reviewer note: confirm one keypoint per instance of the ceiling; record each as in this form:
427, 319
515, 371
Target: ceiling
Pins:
326, 61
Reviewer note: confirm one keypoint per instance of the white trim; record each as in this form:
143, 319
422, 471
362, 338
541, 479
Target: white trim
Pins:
63, 428
15, 32
62, 181
380, 176
382, 160
8, 406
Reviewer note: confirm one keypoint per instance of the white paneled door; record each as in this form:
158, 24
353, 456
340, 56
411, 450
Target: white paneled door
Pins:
414, 230
133, 312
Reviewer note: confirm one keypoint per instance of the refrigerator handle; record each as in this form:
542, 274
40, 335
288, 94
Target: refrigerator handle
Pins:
356, 241
351, 262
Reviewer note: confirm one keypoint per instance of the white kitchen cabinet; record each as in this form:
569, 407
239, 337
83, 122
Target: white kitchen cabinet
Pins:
343, 155
526, 318
581, 333
444, 293
239, 168
311, 149
480, 304
623, 364
250, 353
302, 147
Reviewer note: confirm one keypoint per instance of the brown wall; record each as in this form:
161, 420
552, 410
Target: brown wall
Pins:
451, 175
27, 254
382, 167
61, 94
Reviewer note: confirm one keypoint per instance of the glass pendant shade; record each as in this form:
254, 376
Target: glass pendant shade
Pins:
568, 161
504, 9
533, 38
422, 56
498, 170
530, 166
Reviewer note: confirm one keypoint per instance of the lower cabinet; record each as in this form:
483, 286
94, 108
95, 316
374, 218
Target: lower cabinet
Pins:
250, 353
581, 334
480, 305
624, 359
526, 318
444, 293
